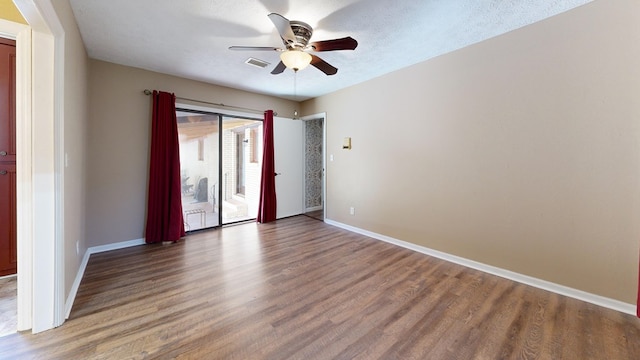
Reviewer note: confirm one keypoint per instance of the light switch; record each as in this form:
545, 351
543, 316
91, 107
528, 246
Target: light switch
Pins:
346, 144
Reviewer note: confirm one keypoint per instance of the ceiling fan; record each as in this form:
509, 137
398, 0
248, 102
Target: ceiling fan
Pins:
295, 35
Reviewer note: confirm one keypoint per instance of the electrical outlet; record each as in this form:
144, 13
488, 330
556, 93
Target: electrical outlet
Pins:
352, 210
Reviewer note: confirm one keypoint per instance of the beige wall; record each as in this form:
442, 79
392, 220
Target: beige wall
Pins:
521, 152
74, 141
119, 125
8, 11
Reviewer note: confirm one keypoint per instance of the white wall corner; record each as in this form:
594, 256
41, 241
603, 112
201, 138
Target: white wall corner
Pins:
507, 274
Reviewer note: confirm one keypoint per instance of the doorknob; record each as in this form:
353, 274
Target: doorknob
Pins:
3, 172
3, 153
276, 174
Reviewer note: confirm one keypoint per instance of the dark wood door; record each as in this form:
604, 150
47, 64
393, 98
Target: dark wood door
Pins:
8, 253
8, 250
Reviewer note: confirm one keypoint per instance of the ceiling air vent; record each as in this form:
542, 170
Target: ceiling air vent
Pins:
256, 62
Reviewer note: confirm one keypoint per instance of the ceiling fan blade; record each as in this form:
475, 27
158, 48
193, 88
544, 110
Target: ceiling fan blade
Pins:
283, 26
346, 43
254, 48
323, 66
279, 68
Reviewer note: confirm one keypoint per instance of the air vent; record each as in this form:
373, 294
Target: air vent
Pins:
257, 62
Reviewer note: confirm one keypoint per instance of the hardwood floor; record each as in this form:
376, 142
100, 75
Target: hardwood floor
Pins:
317, 214
8, 310
301, 289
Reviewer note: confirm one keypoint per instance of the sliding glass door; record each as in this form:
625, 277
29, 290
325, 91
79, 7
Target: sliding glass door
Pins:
220, 160
241, 168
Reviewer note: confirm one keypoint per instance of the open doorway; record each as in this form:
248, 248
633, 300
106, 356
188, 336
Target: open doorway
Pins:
314, 168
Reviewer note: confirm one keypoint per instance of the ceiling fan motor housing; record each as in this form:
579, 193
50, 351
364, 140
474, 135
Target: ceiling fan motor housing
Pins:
303, 32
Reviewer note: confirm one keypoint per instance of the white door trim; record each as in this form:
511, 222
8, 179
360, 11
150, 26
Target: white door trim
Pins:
40, 204
22, 34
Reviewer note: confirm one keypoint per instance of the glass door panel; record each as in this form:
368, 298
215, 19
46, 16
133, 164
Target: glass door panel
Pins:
241, 168
199, 139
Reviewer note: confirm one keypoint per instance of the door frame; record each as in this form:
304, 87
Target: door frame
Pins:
318, 116
39, 131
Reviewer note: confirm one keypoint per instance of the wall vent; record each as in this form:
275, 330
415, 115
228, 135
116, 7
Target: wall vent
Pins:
256, 62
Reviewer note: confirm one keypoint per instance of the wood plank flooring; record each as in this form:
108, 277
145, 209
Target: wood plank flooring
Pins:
8, 309
301, 289
317, 214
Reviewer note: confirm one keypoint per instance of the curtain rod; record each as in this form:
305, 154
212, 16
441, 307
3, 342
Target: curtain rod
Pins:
149, 92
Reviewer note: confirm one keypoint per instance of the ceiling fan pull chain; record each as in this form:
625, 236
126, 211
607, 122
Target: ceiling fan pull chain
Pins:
295, 93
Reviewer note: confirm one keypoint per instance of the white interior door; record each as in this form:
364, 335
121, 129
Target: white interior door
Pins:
289, 160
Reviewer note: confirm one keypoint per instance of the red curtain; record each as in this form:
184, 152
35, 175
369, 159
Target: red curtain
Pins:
267, 205
164, 205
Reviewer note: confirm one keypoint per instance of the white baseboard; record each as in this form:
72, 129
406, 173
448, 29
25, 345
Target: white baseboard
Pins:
76, 284
524, 279
83, 266
115, 246
314, 208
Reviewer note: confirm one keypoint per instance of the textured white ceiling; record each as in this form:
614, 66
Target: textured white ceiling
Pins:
190, 38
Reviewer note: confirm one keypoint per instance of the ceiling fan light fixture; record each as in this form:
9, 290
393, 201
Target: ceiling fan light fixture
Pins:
295, 59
